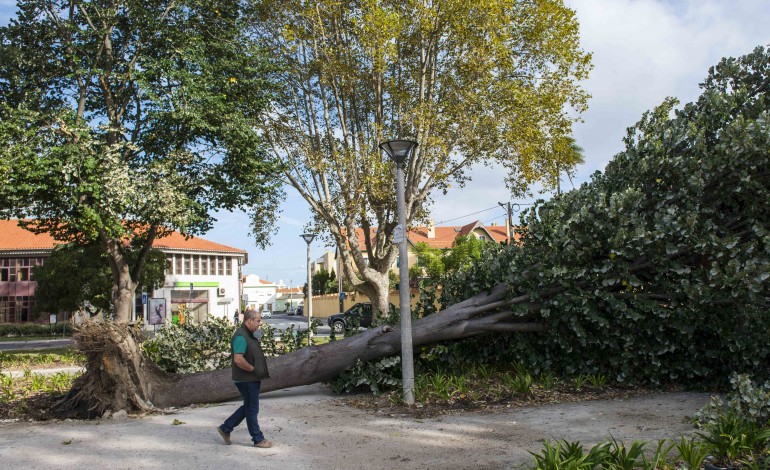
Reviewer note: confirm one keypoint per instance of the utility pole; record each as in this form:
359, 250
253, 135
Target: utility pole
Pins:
508, 219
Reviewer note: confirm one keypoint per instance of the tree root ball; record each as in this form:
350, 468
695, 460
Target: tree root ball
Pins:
117, 375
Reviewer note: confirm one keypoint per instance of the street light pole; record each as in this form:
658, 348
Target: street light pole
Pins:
309, 239
398, 151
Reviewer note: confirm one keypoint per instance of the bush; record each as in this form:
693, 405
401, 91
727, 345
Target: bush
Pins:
377, 376
15, 330
746, 401
195, 347
191, 347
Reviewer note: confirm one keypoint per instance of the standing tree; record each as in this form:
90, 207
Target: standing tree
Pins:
567, 154
324, 282
488, 81
123, 120
60, 288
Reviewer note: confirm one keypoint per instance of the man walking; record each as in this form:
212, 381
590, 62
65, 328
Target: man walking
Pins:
249, 368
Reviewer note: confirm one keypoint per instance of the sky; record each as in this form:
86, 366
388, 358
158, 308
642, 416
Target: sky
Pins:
643, 51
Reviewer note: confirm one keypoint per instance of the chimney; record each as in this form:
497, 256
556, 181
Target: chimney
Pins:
431, 229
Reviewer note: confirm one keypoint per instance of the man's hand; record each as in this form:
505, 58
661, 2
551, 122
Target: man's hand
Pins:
241, 362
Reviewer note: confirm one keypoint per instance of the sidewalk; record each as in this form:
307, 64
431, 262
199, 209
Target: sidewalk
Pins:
312, 428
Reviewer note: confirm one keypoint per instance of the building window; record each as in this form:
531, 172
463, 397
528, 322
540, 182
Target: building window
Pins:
16, 309
177, 264
205, 265
169, 268
196, 265
186, 264
229, 264
220, 265
197, 304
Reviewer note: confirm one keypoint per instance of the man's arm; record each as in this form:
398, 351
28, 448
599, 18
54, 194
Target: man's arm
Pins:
241, 362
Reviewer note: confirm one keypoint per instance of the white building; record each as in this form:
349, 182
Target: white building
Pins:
202, 275
258, 293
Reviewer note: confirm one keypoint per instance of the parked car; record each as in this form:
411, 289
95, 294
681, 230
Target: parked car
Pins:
360, 312
267, 313
300, 310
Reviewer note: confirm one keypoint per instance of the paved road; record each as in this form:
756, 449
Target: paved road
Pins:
283, 321
279, 321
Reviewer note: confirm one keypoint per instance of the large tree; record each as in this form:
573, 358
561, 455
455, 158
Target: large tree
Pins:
123, 120
492, 81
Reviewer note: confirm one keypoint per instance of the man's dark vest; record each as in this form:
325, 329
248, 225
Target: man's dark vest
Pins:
253, 356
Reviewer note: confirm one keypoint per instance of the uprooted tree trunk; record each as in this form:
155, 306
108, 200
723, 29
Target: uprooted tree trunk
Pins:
119, 377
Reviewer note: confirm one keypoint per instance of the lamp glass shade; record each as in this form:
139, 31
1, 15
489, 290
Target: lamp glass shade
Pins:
308, 237
398, 150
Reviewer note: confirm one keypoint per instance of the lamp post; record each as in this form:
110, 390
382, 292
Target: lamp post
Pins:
398, 151
309, 239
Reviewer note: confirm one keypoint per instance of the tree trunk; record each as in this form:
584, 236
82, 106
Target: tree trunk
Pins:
123, 293
119, 377
377, 289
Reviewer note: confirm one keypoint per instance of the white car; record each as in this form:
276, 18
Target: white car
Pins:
267, 314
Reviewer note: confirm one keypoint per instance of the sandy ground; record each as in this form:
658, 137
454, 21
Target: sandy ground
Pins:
311, 428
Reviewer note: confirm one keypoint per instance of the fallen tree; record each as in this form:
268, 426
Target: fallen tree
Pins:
119, 377
655, 271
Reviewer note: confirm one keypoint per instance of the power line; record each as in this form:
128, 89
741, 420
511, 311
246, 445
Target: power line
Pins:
466, 215
483, 210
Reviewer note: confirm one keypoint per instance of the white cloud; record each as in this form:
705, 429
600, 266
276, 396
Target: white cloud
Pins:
646, 50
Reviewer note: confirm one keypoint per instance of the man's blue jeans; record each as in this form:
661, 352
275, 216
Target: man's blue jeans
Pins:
249, 410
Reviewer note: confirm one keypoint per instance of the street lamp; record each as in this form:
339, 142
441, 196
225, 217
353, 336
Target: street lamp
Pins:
398, 151
309, 239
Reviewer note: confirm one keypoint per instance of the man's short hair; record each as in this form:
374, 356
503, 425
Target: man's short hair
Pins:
249, 314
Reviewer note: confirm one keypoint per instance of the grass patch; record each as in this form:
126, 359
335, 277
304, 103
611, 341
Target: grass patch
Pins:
32, 395
41, 358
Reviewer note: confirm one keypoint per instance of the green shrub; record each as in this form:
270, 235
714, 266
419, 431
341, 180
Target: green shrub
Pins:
731, 438
377, 376
19, 330
746, 401
192, 347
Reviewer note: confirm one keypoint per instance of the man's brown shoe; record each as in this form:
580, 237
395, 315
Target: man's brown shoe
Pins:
225, 436
263, 444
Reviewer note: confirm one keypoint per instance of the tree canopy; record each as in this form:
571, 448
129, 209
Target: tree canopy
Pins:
657, 269
470, 81
124, 120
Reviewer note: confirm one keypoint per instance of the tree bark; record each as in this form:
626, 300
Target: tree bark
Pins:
119, 377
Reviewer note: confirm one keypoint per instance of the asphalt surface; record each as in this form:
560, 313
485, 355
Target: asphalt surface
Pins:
278, 321
35, 344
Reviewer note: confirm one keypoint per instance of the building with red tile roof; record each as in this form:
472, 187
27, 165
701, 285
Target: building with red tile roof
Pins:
201, 274
441, 237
